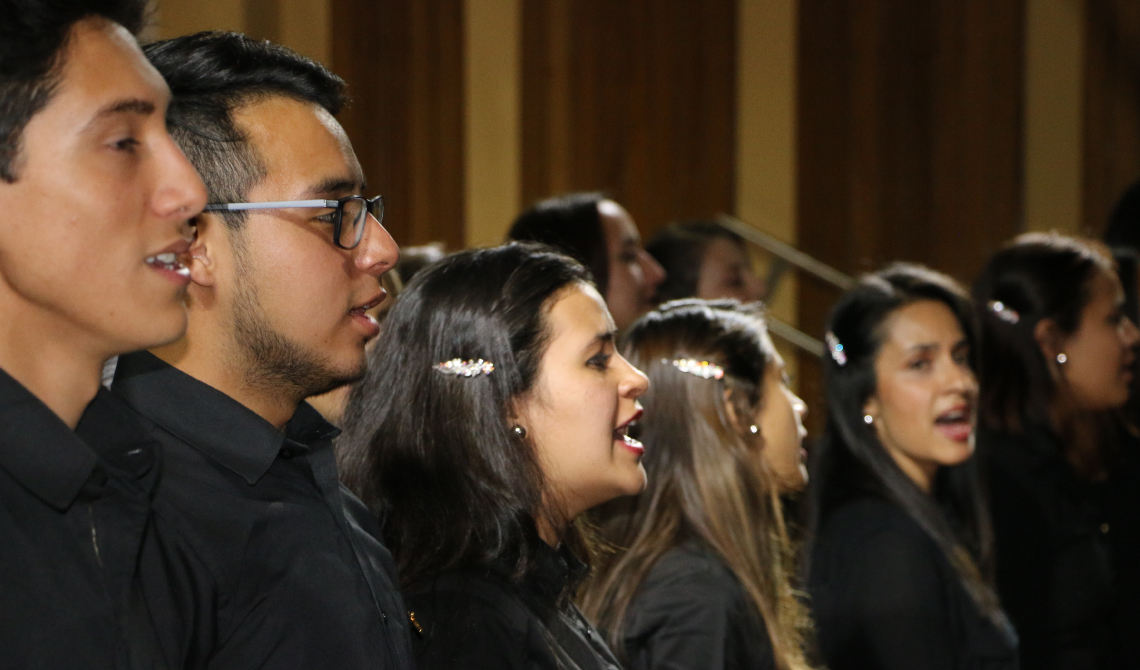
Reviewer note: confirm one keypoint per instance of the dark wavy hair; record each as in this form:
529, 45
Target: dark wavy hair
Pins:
680, 249
1037, 276
33, 42
572, 225
213, 74
850, 460
434, 455
705, 480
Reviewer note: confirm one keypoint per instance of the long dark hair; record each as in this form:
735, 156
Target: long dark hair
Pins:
706, 479
851, 460
433, 454
1037, 276
571, 224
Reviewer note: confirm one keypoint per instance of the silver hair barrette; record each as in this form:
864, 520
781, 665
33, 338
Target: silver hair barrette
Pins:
702, 369
836, 349
1002, 312
462, 368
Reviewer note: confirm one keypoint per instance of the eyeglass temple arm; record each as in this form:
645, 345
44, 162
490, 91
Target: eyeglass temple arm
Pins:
230, 206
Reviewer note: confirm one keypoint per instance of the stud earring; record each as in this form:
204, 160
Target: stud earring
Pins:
519, 431
1061, 358
868, 419
753, 429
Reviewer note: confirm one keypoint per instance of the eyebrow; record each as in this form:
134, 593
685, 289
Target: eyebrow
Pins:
931, 346
335, 186
602, 339
128, 106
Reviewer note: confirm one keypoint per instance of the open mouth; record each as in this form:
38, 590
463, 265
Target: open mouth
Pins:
168, 262
955, 424
621, 434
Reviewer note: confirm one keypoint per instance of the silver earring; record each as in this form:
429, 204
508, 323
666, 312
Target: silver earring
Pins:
753, 429
520, 431
1061, 358
868, 419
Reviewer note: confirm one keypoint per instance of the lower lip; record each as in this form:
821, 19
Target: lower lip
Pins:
179, 277
958, 432
370, 326
631, 444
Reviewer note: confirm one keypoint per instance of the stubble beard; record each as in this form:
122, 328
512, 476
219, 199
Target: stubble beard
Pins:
274, 363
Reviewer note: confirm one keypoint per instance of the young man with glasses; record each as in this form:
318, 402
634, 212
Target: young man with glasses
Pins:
279, 565
94, 202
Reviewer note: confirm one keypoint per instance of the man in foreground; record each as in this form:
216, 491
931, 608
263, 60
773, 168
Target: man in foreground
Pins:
94, 199
280, 566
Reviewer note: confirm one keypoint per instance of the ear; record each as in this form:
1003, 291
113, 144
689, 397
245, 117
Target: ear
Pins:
1049, 338
730, 410
209, 233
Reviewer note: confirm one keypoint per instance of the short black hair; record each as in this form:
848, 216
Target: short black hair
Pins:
571, 224
212, 74
33, 39
680, 249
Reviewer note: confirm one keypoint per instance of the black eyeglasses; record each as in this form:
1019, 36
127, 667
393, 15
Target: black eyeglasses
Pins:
354, 207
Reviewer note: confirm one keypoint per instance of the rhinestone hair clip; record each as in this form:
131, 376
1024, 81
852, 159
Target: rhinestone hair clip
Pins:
461, 368
702, 369
836, 348
1002, 312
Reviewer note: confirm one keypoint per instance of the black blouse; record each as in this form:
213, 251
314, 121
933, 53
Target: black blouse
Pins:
1055, 566
692, 613
885, 597
480, 619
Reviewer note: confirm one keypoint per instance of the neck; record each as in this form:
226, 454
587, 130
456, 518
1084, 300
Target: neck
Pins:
200, 357
50, 357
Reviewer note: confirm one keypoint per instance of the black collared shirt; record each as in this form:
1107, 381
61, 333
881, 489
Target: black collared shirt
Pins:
275, 564
74, 521
481, 619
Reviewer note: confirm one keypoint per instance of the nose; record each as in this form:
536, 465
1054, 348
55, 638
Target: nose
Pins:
377, 252
634, 382
1129, 333
798, 405
650, 269
179, 191
962, 379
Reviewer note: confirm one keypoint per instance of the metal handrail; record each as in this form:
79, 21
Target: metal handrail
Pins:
793, 256
787, 252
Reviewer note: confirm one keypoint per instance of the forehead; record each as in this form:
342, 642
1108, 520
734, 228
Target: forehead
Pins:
723, 250
616, 222
103, 65
922, 322
578, 313
300, 144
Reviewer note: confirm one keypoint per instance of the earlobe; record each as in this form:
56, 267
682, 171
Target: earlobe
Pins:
870, 409
1048, 337
201, 257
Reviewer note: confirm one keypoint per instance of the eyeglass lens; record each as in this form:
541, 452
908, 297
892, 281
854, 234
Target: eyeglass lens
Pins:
353, 220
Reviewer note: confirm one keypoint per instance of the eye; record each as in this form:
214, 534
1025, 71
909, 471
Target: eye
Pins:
962, 357
599, 361
329, 218
128, 144
919, 364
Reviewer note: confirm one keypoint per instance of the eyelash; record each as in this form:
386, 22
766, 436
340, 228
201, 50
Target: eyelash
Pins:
126, 144
599, 361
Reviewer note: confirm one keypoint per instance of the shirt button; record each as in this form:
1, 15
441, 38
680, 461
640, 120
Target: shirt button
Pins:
286, 453
1104, 528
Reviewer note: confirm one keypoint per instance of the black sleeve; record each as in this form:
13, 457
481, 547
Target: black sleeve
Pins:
464, 631
697, 620
899, 601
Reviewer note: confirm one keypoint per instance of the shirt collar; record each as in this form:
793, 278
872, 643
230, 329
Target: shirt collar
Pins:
210, 420
38, 449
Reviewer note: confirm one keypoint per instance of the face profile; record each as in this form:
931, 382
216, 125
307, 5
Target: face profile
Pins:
633, 274
779, 421
105, 193
924, 404
579, 413
726, 272
298, 301
1099, 355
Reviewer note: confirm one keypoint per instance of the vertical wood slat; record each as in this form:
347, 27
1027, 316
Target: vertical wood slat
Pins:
633, 97
1112, 108
403, 62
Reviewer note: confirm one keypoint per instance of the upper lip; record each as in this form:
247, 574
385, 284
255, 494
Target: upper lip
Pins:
376, 300
178, 248
635, 417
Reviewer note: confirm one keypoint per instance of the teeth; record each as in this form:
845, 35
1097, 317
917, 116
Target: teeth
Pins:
167, 257
633, 443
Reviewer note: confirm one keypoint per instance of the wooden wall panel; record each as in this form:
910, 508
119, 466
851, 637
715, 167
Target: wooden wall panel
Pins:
634, 97
909, 143
1112, 107
403, 62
